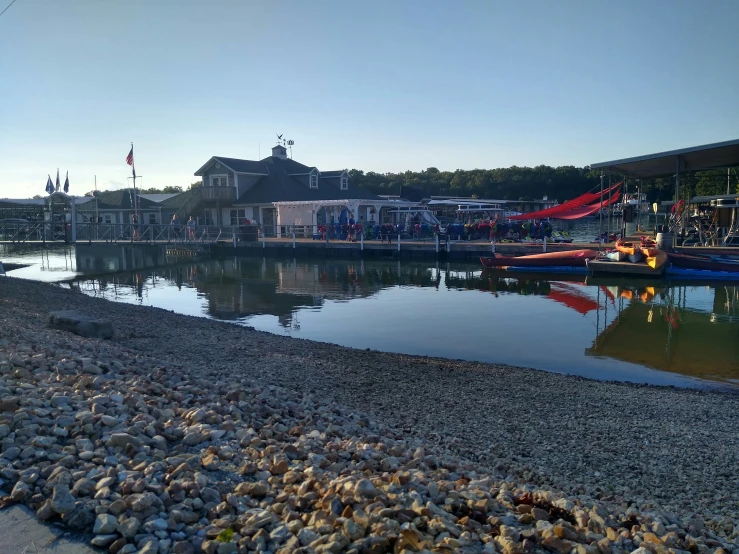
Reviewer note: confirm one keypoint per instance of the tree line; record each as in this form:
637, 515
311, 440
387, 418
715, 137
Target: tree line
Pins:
519, 183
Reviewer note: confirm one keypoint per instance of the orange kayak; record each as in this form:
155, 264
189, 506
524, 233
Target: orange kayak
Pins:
628, 248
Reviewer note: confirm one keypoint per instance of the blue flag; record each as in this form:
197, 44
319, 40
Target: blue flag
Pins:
49, 186
66, 183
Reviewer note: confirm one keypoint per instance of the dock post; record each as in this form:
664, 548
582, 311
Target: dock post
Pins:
448, 247
74, 220
293, 240
263, 245
437, 242
361, 241
493, 247
398, 241
545, 244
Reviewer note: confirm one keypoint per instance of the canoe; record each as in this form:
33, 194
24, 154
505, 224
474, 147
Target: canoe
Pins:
688, 261
572, 258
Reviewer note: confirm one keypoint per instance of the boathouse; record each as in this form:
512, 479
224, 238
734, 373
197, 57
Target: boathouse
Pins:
277, 192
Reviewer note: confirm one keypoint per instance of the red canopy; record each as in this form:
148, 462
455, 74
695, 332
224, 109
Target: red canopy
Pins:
578, 202
589, 210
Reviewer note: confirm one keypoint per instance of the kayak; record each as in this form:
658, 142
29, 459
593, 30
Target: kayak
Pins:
628, 248
702, 274
616, 256
688, 261
655, 260
572, 258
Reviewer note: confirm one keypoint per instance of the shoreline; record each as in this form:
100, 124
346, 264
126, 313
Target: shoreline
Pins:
628, 446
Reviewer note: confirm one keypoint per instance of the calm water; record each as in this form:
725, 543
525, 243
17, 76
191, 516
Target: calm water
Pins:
646, 332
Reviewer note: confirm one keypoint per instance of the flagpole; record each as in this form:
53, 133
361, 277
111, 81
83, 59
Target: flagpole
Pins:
133, 168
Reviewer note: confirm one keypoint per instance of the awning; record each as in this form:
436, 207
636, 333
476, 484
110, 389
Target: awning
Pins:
554, 211
665, 164
589, 210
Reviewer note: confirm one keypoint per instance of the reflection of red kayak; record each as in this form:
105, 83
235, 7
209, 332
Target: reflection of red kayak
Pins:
572, 298
689, 261
570, 258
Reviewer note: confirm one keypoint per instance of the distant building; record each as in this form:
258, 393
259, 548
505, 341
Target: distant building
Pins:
275, 192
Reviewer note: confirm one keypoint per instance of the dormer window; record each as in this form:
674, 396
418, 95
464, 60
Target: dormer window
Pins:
314, 180
344, 182
219, 180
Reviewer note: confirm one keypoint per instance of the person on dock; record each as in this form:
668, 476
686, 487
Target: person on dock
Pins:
176, 224
135, 226
191, 223
352, 223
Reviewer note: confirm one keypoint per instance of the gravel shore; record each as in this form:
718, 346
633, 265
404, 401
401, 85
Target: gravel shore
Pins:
184, 434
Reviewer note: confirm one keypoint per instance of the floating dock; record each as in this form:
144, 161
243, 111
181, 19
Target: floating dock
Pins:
599, 267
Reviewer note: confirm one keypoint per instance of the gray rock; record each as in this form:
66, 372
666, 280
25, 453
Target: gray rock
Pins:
80, 324
122, 440
62, 502
105, 524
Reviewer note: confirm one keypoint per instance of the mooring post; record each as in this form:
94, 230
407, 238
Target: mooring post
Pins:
293, 240
398, 241
545, 244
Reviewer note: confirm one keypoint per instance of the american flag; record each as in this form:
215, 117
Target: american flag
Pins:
129, 158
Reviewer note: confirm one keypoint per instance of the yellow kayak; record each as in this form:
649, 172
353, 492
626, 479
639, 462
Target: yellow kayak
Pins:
656, 261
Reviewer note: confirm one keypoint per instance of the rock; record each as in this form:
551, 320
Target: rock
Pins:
210, 495
81, 325
364, 487
105, 524
122, 440
11, 453
183, 547
557, 545
45, 511
103, 540
20, 491
128, 527
62, 502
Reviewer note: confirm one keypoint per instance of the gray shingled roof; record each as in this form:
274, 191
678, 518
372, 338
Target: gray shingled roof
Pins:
121, 199
279, 186
243, 166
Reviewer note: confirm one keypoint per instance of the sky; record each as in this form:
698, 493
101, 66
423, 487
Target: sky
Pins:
386, 85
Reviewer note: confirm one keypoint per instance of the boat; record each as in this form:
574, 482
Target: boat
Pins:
616, 256
656, 259
628, 248
712, 263
571, 258
561, 236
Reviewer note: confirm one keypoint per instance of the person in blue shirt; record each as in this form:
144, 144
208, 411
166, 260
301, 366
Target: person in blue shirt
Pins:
352, 223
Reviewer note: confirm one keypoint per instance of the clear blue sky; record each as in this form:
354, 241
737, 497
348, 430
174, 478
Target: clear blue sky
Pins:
382, 85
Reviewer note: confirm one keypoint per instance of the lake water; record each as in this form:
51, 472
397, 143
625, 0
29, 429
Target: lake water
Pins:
658, 333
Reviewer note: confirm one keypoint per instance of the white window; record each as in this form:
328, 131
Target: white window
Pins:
314, 180
108, 218
152, 219
219, 180
237, 217
344, 182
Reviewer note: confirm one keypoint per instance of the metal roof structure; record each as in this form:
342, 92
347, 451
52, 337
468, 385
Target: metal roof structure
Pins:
666, 164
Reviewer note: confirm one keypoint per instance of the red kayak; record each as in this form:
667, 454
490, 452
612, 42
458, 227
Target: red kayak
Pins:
691, 261
569, 258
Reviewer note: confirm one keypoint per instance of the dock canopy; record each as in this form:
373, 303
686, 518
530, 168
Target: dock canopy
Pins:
665, 164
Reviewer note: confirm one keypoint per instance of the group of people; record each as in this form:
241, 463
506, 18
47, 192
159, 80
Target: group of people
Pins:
190, 226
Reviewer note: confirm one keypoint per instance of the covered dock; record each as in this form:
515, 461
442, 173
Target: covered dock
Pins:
677, 163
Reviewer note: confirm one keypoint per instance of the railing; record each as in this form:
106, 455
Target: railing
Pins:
143, 232
205, 194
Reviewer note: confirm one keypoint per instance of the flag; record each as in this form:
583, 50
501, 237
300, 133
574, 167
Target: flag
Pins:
129, 158
58, 186
49, 186
66, 183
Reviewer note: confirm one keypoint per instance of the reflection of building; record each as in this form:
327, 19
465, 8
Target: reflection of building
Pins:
107, 258
669, 336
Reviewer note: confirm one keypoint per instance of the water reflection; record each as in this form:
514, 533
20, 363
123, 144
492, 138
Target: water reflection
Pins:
592, 327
